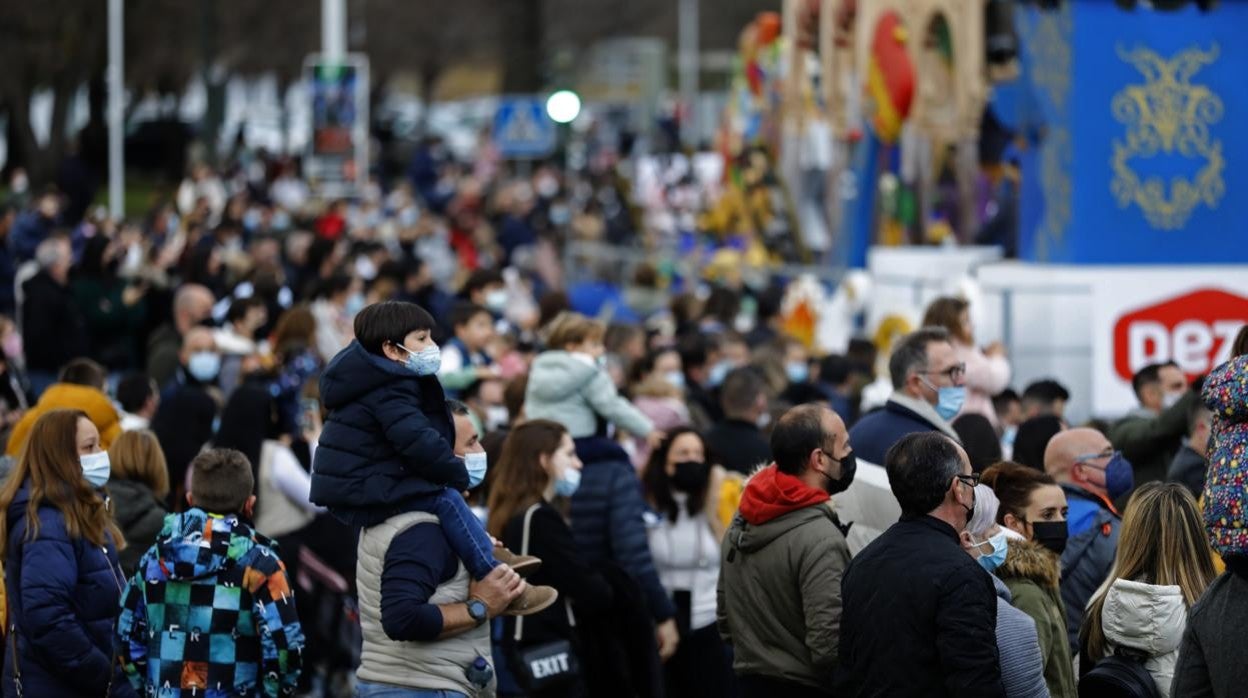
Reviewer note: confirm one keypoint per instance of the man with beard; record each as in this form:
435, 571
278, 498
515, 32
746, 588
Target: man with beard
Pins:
779, 595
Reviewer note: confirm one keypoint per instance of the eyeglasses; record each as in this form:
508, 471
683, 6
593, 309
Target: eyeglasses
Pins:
1107, 453
971, 480
954, 372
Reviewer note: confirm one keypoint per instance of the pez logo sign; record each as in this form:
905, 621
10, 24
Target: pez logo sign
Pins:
1194, 330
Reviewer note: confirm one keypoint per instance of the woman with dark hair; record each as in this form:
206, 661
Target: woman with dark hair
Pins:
539, 462
115, 310
1033, 438
62, 577
987, 370
682, 487
980, 440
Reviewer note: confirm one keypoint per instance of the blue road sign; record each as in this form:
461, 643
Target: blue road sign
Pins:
522, 129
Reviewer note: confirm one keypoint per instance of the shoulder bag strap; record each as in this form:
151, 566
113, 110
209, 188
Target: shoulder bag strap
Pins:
524, 550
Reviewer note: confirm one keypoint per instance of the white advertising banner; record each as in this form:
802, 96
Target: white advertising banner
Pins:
1143, 315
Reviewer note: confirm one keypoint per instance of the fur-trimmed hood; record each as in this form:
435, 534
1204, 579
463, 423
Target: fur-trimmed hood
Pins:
1030, 560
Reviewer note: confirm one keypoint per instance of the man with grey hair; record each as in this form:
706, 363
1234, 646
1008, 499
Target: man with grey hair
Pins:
928, 391
53, 325
920, 615
192, 306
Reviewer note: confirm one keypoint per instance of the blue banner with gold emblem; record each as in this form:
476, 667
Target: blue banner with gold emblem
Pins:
1135, 129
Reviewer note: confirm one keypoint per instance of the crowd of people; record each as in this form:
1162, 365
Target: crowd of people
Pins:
244, 425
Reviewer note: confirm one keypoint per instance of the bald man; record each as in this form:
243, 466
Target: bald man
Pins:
1091, 474
192, 306
184, 421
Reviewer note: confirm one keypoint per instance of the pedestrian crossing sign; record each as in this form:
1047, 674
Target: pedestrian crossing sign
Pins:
522, 129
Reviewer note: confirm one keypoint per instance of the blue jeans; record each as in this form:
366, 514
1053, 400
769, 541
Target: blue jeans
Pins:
463, 530
381, 690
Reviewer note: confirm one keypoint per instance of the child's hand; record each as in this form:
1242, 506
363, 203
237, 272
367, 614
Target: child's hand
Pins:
655, 438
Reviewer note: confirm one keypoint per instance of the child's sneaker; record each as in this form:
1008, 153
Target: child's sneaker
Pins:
533, 600
524, 565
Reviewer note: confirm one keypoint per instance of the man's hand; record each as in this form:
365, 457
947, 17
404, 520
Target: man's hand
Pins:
499, 588
668, 638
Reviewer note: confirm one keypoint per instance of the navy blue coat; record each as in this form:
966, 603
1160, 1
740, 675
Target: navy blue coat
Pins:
389, 438
63, 594
876, 432
608, 521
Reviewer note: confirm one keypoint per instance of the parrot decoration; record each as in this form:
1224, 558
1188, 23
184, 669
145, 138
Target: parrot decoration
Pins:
890, 78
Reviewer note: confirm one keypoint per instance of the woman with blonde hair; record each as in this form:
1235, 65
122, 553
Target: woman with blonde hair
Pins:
1162, 567
139, 485
62, 578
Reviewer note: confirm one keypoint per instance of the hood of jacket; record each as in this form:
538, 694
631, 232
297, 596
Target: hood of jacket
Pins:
749, 538
1144, 616
924, 411
1030, 560
1225, 390
17, 507
355, 372
558, 375
771, 494
188, 546
131, 500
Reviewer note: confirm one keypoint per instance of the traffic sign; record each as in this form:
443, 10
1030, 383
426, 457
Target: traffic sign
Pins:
522, 129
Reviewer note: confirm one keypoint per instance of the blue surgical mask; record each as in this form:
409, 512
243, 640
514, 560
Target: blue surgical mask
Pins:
1000, 546
1119, 476
204, 366
1008, 435
675, 378
425, 362
949, 400
355, 303
95, 468
476, 464
797, 372
568, 482
718, 373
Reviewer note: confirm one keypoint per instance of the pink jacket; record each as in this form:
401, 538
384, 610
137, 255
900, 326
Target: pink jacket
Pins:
985, 376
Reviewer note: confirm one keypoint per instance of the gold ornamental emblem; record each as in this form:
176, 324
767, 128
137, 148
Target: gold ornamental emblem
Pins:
1168, 116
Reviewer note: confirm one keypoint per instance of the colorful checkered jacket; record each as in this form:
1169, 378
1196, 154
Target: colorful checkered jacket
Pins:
210, 613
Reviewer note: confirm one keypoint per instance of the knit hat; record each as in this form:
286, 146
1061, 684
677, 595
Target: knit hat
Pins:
1226, 393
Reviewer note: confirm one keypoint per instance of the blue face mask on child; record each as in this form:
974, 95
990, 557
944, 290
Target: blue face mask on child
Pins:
476, 464
425, 362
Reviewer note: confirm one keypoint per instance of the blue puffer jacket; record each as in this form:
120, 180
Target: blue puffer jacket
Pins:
389, 437
607, 518
62, 595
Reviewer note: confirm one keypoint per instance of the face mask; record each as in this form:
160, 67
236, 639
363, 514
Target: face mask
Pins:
1008, 436
949, 400
13, 345
568, 482
797, 372
690, 475
763, 420
718, 373
426, 362
1000, 546
95, 468
849, 466
1050, 534
1119, 476
204, 366
476, 464
496, 300
281, 220
355, 303
496, 417
675, 378
1170, 400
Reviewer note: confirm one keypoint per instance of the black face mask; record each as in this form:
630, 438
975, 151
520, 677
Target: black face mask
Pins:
1050, 534
690, 475
849, 466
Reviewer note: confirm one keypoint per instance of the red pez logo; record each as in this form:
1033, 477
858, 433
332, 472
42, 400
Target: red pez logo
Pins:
1194, 330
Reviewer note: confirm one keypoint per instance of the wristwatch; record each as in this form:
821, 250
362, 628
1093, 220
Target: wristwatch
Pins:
478, 611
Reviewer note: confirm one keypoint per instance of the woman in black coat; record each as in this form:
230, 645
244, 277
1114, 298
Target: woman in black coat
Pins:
139, 484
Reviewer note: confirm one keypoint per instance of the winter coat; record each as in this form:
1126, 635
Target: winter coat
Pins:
1031, 572
919, 618
738, 445
1150, 440
1149, 618
608, 519
141, 516
184, 423
1213, 658
575, 393
222, 581
1188, 469
62, 594
53, 327
876, 432
1226, 394
985, 376
389, 438
779, 594
1022, 665
69, 396
1089, 555
113, 326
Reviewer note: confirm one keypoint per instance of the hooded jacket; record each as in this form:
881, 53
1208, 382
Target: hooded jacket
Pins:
62, 593
1225, 392
69, 396
1149, 618
779, 595
389, 438
1032, 574
210, 608
575, 393
1149, 439
1094, 527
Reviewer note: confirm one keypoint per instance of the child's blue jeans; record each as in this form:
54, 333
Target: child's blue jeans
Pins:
468, 539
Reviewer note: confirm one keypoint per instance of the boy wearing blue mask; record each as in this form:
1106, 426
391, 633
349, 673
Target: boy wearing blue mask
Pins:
387, 447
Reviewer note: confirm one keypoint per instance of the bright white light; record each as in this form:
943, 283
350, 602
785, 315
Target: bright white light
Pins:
563, 107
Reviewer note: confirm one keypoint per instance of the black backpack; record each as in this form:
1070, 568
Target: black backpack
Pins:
1119, 675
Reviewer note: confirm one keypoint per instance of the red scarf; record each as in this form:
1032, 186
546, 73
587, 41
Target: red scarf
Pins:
771, 494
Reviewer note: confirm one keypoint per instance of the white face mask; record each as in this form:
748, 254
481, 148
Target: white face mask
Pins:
1169, 400
96, 468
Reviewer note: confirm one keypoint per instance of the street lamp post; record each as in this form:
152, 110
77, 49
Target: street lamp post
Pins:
116, 109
